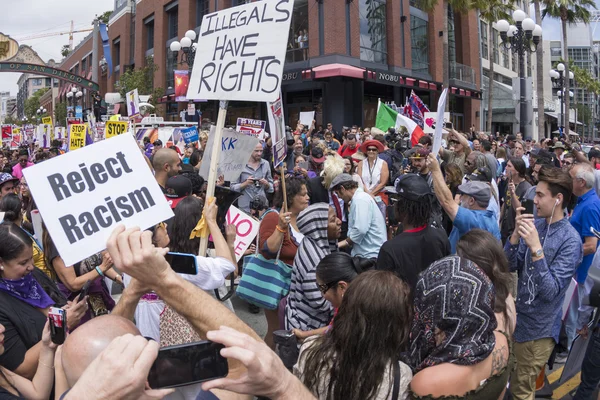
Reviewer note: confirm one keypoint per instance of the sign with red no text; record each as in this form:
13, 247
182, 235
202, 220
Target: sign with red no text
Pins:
246, 229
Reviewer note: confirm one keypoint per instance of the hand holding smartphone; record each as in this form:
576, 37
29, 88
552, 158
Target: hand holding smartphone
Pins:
84, 291
528, 205
183, 263
58, 325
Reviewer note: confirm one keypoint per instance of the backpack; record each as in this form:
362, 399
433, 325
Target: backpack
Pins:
396, 166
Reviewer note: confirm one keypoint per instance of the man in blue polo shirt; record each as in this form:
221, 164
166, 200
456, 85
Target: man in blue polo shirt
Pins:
585, 215
472, 212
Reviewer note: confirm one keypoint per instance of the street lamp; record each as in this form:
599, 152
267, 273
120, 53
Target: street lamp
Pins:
521, 38
40, 112
558, 83
187, 45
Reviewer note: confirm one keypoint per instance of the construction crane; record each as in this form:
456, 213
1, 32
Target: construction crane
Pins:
69, 32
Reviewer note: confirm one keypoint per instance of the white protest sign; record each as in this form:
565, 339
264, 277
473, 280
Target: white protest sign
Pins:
236, 149
191, 109
306, 118
132, 99
241, 51
84, 194
246, 229
254, 127
36, 221
437, 137
429, 121
277, 126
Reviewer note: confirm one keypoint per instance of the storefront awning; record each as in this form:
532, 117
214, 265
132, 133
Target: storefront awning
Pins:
332, 70
556, 116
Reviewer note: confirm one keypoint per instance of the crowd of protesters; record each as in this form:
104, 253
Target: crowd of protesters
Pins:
411, 275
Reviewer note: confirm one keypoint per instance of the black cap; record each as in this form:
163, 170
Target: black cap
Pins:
157, 142
511, 138
317, 155
412, 187
177, 188
481, 174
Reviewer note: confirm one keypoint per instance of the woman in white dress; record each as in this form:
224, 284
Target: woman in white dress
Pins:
374, 172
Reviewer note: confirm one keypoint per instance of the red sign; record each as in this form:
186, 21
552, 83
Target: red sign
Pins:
6, 132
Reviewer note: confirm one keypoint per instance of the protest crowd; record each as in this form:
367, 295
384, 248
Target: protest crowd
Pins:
384, 271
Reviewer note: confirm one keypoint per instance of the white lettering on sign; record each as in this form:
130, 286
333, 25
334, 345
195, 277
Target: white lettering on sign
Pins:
389, 77
246, 229
241, 51
83, 195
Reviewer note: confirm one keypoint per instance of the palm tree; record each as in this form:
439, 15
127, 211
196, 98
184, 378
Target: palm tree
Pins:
569, 12
491, 11
539, 74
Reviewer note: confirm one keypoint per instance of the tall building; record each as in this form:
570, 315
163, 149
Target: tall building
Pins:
343, 56
4, 112
28, 85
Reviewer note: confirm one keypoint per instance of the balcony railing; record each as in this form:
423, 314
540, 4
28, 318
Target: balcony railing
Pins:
462, 73
297, 54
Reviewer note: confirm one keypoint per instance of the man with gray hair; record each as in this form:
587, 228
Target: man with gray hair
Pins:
585, 215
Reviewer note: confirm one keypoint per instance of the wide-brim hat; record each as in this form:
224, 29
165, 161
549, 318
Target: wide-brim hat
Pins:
371, 143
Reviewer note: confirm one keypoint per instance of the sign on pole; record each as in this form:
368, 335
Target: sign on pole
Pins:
241, 51
246, 229
133, 103
114, 128
437, 137
254, 127
190, 135
429, 119
83, 195
77, 136
47, 121
235, 151
307, 118
277, 125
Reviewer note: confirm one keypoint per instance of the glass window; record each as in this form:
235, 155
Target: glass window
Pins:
83, 66
419, 44
201, 10
505, 60
415, 4
116, 52
150, 35
555, 51
170, 78
298, 37
451, 38
172, 16
373, 26
484, 39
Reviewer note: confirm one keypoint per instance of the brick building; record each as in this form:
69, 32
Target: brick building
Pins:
352, 53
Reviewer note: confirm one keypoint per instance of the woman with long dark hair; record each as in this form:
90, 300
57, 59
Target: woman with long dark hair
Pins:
483, 249
28, 204
358, 358
517, 186
26, 295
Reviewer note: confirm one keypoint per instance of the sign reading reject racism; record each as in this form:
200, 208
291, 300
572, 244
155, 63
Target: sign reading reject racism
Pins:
84, 194
241, 51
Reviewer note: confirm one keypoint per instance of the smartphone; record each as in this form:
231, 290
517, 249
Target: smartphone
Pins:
303, 165
528, 204
84, 291
183, 263
448, 125
58, 325
187, 364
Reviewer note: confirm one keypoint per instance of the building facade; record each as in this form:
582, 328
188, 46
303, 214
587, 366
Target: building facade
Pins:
28, 85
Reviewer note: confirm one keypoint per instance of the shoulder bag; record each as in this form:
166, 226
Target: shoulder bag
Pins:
264, 282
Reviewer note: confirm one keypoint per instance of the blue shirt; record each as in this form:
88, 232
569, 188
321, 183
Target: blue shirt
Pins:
366, 226
467, 220
585, 215
542, 284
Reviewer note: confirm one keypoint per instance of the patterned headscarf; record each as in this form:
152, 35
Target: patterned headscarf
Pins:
456, 297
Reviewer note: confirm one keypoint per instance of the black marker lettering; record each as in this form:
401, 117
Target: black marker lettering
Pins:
121, 158
272, 76
113, 209
204, 78
137, 199
254, 15
265, 19
127, 211
99, 214
251, 73
220, 48
88, 178
114, 173
233, 76
209, 19
75, 182
69, 226
89, 223
249, 43
57, 183
282, 11
99, 173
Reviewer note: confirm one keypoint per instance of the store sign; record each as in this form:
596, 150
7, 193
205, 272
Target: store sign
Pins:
389, 78
291, 77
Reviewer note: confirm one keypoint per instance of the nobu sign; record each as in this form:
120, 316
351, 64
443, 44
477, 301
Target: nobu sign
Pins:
241, 51
83, 195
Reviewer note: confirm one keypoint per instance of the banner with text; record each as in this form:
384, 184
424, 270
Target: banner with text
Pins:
277, 126
236, 149
77, 136
83, 195
241, 51
47, 121
114, 128
246, 229
190, 135
254, 127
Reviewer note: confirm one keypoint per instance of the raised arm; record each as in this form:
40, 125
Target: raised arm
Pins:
441, 191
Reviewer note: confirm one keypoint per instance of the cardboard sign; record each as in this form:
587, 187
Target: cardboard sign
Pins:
6, 133
307, 118
132, 99
246, 229
77, 136
16, 139
191, 109
277, 125
47, 120
59, 133
190, 135
113, 128
437, 137
83, 195
429, 121
236, 149
254, 127
241, 51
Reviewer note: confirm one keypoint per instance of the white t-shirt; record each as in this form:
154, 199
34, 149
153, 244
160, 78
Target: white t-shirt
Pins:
298, 237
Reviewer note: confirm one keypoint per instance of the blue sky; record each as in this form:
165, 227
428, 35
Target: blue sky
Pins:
552, 30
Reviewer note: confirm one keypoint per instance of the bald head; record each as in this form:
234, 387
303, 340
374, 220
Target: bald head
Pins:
166, 163
89, 340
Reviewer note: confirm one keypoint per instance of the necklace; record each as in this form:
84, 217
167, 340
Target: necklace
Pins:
371, 171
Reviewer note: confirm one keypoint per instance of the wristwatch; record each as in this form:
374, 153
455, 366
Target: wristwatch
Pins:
538, 253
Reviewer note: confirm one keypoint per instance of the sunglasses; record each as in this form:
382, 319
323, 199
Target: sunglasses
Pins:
370, 149
326, 286
567, 163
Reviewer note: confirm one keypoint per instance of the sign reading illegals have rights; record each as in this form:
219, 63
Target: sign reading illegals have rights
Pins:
83, 195
241, 51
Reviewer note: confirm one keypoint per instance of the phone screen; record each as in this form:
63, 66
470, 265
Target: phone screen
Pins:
84, 291
528, 205
303, 164
187, 364
182, 263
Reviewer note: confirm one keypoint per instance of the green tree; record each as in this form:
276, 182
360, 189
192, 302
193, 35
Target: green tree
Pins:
103, 18
65, 50
141, 79
569, 12
491, 11
9, 120
457, 6
60, 114
33, 103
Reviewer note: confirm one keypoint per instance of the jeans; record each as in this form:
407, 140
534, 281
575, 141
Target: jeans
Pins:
590, 369
572, 317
